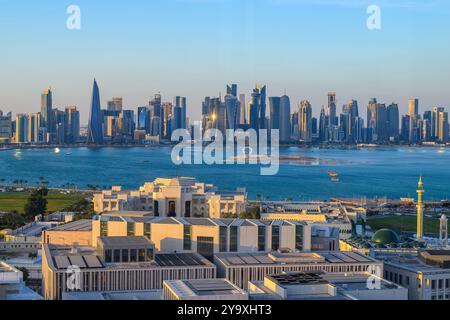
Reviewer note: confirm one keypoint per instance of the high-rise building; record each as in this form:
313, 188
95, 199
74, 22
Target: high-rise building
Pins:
242, 118
393, 121
5, 127
275, 113
413, 113
322, 125
116, 104
95, 131
443, 127
181, 102
331, 109
157, 122
304, 121
72, 125
372, 117
21, 128
285, 121
232, 111
47, 109
257, 108
232, 90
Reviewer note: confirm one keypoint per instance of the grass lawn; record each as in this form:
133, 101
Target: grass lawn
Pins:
402, 224
56, 201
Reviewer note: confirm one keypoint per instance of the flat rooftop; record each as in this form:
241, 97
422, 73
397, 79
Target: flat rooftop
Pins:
206, 287
116, 295
275, 258
80, 225
410, 261
125, 242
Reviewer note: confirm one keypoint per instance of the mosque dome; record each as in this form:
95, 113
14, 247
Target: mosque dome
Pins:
385, 236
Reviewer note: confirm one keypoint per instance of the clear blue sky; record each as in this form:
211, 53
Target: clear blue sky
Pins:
136, 48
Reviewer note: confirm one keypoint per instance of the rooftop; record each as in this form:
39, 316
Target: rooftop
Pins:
124, 242
205, 287
80, 225
236, 259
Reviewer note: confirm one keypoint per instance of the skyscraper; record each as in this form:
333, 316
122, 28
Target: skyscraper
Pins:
413, 113
232, 90
393, 120
304, 121
232, 111
285, 119
95, 132
46, 109
72, 125
257, 108
116, 104
275, 112
242, 118
331, 109
181, 102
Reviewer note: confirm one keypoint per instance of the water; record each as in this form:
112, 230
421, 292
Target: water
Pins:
391, 172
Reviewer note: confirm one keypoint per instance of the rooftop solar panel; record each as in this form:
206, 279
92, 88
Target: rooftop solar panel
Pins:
344, 257
62, 262
358, 257
77, 261
331, 258
92, 262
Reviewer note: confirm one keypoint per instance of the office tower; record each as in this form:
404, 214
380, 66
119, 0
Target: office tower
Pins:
242, 118
372, 117
232, 111
157, 116
220, 114
176, 119
32, 129
275, 113
257, 108
116, 104
322, 125
358, 134
405, 128
294, 126
304, 121
351, 112
111, 126
144, 119
331, 109
5, 127
72, 124
426, 130
181, 102
420, 192
46, 109
381, 127
393, 121
285, 121
443, 127
232, 90
413, 107
314, 127
413, 113
95, 131
21, 128
60, 131
436, 122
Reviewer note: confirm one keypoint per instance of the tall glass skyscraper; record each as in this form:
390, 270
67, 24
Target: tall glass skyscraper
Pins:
95, 132
285, 119
46, 109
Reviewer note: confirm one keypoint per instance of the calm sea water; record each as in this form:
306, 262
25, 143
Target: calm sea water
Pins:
391, 172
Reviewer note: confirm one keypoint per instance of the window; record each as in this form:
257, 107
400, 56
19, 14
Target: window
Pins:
103, 228
275, 238
108, 256
156, 208
187, 209
299, 237
433, 284
116, 255
233, 239
125, 255
261, 238
223, 237
130, 229
172, 209
133, 255
187, 241
441, 284
150, 254
148, 230
141, 255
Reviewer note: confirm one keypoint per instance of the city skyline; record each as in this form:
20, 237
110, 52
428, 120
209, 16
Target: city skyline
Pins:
353, 61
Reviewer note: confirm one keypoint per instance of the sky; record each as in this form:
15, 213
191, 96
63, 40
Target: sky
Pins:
193, 48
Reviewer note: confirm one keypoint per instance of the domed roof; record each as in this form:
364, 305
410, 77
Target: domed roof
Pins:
385, 236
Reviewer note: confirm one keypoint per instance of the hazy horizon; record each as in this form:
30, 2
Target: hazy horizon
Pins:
194, 48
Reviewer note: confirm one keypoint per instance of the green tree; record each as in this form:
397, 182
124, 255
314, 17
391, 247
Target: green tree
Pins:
252, 213
36, 203
11, 220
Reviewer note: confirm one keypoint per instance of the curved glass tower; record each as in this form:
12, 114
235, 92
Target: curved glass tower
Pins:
95, 132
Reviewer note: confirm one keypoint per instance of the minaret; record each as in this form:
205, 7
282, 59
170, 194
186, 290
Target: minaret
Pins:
443, 230
420, 192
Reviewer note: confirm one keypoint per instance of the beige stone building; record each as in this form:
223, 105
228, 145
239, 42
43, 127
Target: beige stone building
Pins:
177, 197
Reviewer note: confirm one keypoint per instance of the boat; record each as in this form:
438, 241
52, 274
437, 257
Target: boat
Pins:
333, 175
